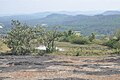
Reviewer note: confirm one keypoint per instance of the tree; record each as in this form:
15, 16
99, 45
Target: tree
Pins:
49, 39
92, 37
18, 39
70, 32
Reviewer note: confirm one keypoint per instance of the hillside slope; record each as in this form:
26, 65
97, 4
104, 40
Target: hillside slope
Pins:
101, 24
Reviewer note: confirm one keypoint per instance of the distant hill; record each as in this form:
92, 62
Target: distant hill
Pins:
101, 24
111, 13
104, 23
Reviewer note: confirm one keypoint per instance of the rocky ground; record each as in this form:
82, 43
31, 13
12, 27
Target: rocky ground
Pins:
59, 68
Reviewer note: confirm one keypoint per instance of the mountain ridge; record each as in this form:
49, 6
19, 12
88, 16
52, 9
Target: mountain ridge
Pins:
101, 23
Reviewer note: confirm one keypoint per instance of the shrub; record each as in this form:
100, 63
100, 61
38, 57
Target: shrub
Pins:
111, 43
79, 40
115, 41
97, 41
67, 38
63, 39
116, 45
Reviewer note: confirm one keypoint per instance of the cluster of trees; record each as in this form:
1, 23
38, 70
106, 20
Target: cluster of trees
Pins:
112, 41
72, 37
22, 38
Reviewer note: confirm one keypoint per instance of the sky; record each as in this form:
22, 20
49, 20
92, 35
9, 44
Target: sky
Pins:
8, 7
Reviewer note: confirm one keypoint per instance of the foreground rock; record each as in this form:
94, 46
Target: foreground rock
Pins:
59, 68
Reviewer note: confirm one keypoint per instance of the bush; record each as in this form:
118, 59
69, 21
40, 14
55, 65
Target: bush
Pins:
113, 43
110, 43
63, 39
74, 39
67, 38
97, 41
79, 40
116, 45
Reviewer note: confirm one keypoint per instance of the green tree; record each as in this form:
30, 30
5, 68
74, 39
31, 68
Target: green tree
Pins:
92, 37
49, 39
18, 39
70, 32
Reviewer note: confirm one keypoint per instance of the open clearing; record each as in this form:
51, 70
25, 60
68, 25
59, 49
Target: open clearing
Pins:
59, 68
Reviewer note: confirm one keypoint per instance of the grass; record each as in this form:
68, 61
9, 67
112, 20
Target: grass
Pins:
74, 49
83, 50
3, 47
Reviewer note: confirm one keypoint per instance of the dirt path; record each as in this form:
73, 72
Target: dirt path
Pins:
59, 68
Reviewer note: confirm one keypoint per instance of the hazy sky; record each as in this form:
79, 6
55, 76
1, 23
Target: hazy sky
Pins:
33, 6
